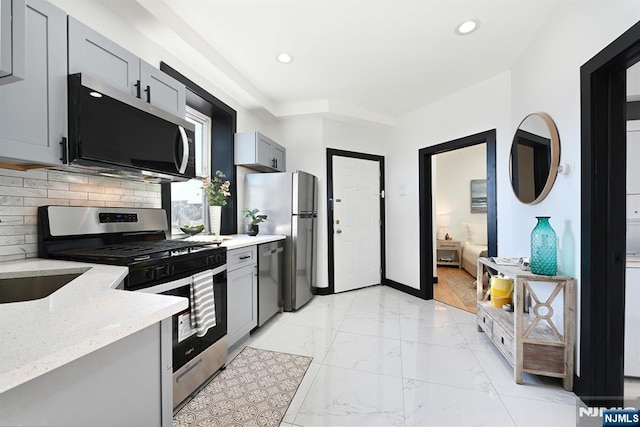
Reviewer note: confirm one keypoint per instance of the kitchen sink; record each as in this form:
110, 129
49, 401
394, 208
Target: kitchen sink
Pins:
30, 288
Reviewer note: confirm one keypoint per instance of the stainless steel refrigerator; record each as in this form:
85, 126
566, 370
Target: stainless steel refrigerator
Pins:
290, 201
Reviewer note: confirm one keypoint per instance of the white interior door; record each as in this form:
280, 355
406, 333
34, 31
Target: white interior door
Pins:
356, 223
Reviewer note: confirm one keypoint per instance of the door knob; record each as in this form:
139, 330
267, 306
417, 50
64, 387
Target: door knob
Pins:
338, 231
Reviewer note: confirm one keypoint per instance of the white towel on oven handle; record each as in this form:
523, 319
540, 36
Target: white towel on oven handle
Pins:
203, 306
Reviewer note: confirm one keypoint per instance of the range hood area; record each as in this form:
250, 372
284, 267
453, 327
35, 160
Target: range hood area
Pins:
114, 134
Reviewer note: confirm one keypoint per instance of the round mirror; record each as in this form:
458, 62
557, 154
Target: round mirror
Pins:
535, 156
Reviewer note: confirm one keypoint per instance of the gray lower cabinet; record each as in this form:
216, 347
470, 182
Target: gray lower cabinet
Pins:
259, 152
33, 111
13, 26
94, 54
127, 383
242, 294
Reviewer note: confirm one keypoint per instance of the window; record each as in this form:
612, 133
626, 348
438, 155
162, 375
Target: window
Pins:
188, 206
221, 132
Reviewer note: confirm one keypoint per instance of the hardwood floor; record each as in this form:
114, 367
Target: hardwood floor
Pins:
445, 292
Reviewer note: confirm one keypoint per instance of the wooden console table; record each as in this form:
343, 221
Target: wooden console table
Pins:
538, 336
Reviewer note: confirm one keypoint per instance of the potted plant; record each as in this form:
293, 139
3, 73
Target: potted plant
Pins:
256, 218
216, 189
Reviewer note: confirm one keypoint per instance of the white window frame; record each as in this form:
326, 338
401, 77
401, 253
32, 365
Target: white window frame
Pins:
196, 116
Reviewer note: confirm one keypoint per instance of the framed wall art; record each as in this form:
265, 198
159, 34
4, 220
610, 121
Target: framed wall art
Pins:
478, 196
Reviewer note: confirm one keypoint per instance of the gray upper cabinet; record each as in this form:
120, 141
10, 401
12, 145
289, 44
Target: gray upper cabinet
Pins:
256, 151
162, 90
97, 56
92, 53
33, 111
12, 40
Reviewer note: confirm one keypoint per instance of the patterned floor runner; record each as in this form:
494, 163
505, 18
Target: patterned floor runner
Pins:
255, 389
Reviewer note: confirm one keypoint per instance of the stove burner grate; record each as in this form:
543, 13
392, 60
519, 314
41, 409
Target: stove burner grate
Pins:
135, 249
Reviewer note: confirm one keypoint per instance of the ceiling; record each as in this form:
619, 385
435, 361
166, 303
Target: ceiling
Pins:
370, 59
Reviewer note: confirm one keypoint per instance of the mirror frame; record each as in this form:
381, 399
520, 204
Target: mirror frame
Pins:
555, 157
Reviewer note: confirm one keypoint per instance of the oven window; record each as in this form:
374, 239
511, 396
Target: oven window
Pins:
187, 198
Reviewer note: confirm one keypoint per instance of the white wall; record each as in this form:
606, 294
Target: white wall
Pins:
306, 139
545, 78
476, 109
454, 171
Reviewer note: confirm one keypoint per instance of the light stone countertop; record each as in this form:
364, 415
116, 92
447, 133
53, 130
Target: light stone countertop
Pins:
83, 316
236, 241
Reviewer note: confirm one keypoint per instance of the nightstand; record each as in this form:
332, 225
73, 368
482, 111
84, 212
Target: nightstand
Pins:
448, 252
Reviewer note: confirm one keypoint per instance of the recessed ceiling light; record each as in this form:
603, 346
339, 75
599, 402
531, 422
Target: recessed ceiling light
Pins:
467, 27
284, 58
95, 94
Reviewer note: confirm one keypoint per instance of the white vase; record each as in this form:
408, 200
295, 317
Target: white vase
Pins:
215, 218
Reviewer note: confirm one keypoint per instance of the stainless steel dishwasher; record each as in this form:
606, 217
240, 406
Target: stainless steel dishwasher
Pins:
270, 279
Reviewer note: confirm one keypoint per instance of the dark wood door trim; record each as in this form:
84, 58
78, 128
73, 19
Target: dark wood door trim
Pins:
603, 218
331, 152
426, 202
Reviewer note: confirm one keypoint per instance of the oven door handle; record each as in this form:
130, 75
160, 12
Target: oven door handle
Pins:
169, 286
165, 287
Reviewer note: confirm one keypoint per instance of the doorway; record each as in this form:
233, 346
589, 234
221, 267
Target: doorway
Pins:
603, 225
355, 220
460, 203
428, 220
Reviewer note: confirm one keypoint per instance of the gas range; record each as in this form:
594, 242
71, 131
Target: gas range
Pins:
132, 237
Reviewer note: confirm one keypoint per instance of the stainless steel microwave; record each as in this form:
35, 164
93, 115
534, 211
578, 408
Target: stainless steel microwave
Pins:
115, 134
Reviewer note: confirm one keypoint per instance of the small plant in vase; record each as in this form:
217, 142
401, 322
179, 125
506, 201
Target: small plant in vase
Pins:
255, 219
216, 189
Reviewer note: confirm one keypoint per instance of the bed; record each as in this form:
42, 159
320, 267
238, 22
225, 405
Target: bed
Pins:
474, 247
470, 254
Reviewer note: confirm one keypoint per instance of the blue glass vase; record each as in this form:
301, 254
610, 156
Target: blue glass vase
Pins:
544, 248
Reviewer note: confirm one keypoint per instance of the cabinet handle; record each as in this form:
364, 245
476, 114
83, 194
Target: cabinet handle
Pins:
64, 159
137, 85
245, 257
148, 90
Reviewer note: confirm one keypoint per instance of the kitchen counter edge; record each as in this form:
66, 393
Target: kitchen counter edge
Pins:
83, 316
238, 241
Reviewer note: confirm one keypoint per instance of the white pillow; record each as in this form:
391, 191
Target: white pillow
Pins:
476, 233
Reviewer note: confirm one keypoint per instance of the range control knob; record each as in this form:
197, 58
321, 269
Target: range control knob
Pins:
164, 270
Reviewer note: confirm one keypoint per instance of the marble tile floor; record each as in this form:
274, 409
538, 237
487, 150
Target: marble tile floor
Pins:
385, 358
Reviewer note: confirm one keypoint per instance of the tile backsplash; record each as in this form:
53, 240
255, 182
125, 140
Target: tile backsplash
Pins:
22, 192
